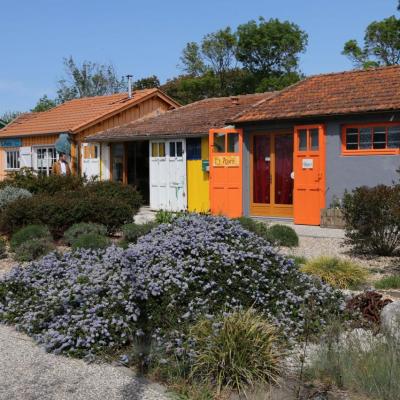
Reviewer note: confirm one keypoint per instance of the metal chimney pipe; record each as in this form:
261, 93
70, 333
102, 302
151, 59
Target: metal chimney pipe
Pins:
129, 86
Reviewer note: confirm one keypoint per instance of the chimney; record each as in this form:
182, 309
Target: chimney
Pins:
129, 86
235, 100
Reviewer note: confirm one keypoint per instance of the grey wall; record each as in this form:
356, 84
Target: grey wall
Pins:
342, 172
348, 172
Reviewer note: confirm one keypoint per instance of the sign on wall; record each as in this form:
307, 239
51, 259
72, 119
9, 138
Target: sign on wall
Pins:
12, 142
226, 161
308, 163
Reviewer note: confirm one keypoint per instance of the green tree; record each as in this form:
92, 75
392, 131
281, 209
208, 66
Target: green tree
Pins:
8, 116
270, 47
44, 104
218, 50
88, 79
192, 60
381, 45
149, 82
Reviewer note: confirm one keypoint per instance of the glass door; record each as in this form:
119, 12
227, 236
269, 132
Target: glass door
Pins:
262, 170
272, 175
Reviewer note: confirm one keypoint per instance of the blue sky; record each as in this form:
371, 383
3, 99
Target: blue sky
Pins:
146, 37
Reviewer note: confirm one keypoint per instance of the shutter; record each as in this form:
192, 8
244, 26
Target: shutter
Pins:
25, 157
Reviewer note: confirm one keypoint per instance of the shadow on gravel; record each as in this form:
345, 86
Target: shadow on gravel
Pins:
139, 389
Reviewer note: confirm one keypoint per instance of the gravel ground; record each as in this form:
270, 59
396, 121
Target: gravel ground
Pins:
312, 247
27, 372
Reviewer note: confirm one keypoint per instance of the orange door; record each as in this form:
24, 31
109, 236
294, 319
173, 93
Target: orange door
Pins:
226, 172
309, 174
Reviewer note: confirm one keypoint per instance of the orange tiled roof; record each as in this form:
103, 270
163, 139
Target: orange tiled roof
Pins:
193, 119
75, 115
376, 89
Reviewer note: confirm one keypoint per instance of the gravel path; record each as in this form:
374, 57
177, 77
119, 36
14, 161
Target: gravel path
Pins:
27, 372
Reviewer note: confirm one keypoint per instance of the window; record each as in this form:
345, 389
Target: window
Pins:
308, 139
12, 159
233, 142
193, 149
44, 158
91, 151
219, 142
371, 139
158, 149
175, 149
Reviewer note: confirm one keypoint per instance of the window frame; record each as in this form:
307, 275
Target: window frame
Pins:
47, 171
371, 151
12, 150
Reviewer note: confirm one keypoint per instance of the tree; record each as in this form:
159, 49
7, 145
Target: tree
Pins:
9, 116
89, 79
218, 50
381, 45
146, 83
270, 47
44, 104
192, 61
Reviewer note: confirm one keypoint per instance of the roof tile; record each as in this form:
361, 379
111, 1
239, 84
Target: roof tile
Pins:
193, 119
375, 89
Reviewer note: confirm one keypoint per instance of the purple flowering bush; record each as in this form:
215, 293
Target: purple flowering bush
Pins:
199, 266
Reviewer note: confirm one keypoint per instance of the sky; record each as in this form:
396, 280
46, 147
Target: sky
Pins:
146, 37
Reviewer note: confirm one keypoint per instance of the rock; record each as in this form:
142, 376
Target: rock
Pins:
390, 319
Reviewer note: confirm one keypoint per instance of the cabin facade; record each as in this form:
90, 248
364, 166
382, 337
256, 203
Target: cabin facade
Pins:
29, 140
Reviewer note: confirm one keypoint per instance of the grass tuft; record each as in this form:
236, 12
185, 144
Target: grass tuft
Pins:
343, 274
388, 282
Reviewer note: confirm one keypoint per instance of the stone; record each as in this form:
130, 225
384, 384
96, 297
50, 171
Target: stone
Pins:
390, 319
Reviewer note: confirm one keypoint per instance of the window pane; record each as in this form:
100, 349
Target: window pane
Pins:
351, 139
365, 138
233, 142
193, 149
154, 149
302, 140
380, 138
172, 152
219, 142
161, 149
179, 149
314, 133
394, 137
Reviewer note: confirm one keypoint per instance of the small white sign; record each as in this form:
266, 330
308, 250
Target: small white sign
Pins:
308, 163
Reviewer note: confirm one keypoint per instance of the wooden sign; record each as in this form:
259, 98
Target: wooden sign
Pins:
226, 161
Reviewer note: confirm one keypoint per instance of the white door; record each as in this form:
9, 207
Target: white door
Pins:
91, 160
168, 175
105, 162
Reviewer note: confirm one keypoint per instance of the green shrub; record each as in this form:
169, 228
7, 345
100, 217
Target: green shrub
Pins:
116, 190
92, 241
9, 194
282, 235
61, 211
29, 232
359, 361
131, 232
167, 217
83, 228
388, 282
343, 274
3, 248
52, 184
259, 228
237, 351
33, 249
372, 218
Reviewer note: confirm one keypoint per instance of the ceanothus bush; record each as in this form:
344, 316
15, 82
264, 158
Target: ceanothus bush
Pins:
87, 301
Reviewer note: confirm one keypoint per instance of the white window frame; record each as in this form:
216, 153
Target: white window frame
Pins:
48, 167
17, 158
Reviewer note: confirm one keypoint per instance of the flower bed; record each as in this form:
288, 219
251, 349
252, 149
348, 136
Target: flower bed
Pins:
88, 301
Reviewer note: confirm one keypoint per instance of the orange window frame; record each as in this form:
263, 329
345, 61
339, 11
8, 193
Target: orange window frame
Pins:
368, 152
